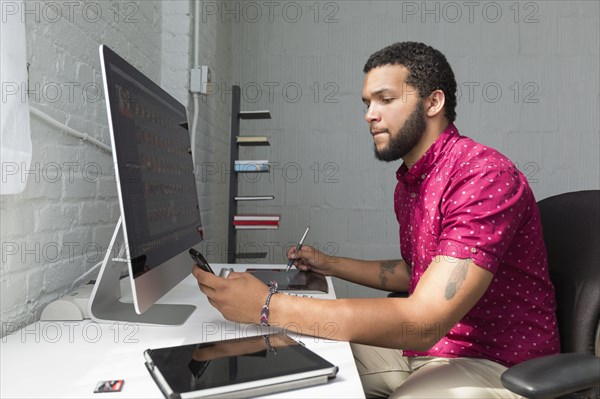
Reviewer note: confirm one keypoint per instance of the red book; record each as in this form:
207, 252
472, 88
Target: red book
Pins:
256, 222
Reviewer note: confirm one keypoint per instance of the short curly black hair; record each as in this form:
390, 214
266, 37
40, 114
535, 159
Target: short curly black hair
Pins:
428, 70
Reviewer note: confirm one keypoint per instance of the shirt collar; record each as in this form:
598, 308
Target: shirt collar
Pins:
425, 164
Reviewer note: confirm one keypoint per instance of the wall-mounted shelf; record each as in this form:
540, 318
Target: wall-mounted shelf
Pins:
244, 166
264, 114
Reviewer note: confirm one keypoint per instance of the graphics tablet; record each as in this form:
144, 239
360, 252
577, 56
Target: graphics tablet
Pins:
293, 280
237, 368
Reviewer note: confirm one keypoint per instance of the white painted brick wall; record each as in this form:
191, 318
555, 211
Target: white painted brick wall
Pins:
59, 226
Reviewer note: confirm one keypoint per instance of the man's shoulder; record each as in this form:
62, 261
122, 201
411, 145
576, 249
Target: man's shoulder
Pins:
472, 150
469, 157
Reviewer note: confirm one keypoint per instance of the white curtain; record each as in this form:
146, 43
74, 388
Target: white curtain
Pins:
14, 105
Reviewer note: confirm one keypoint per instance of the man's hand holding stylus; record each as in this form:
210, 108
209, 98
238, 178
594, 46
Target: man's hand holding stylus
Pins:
309, 259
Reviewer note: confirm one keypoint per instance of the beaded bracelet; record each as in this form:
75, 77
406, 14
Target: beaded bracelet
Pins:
264, 313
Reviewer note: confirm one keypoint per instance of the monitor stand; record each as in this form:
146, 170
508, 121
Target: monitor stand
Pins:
105, 306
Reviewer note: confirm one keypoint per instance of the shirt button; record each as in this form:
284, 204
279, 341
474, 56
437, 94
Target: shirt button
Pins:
423, 176
473, 250
413, 195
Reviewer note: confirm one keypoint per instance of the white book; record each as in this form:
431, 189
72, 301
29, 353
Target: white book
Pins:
256, 227
254, 197
257, 217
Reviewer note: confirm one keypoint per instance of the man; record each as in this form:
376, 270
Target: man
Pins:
474, 260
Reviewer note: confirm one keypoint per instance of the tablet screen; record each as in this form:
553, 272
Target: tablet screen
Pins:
294, 280
219, 364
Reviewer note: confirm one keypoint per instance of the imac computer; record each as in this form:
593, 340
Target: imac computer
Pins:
160, 214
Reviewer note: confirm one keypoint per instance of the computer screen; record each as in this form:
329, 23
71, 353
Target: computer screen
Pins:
159, 202
154, 171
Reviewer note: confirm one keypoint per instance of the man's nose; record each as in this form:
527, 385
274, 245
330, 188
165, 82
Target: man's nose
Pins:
372, 114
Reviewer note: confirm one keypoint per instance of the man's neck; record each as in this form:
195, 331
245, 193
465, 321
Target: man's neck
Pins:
432, 132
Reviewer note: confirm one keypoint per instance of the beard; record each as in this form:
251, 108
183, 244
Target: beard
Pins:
405, 139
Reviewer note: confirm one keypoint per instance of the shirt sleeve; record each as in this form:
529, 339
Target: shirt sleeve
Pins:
482, 210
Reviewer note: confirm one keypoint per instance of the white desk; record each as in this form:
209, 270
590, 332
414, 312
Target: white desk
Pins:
66, 359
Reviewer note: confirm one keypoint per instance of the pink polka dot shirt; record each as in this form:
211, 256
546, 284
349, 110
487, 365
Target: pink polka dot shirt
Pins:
464, 200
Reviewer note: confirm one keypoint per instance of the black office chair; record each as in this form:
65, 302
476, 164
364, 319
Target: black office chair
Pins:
571, 224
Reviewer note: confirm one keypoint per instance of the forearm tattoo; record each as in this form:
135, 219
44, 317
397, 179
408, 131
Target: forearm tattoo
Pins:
388, 266
457, 277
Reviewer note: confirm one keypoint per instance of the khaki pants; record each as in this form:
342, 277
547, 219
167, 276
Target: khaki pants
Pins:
385, 372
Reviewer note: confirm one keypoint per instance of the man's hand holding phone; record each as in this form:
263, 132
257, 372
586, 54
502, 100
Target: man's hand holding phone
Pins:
200, 261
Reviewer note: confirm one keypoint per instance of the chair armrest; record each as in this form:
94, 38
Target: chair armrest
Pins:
553, 376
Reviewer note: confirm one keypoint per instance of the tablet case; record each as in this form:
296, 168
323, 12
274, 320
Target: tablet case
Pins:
237, 368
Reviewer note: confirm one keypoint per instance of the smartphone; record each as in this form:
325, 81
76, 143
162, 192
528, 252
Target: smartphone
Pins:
200, 261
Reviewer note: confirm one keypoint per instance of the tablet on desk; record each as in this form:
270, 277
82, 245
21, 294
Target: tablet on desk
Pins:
293, 280
237, 368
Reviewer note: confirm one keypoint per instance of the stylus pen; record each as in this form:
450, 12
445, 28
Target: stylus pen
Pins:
291, 261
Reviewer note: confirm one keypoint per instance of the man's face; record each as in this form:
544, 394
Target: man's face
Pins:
394, 112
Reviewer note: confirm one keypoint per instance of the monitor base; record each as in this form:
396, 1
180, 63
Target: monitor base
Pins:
159, 314
105, 306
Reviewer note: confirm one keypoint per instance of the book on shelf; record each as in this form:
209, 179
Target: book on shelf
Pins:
257, 217
254, 197
256, 227
256, 222
251, 166
252, 140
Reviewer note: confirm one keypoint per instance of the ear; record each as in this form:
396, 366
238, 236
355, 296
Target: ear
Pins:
434, 105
